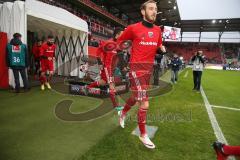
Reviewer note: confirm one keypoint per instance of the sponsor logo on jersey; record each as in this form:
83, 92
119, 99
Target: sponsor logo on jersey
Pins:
148, 43
49, 50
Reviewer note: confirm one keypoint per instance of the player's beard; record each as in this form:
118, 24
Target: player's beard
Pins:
50, 43
150, 18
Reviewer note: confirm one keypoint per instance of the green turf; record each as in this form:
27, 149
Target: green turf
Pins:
222, 89
229, 122
29, 129
184, 130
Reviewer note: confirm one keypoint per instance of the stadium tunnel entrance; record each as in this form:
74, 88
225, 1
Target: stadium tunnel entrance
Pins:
36, 20
70, 44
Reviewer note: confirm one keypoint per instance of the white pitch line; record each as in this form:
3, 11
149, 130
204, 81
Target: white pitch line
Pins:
186, 74
222, 107
216, 128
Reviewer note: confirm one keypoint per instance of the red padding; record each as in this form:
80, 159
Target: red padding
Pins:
3, 66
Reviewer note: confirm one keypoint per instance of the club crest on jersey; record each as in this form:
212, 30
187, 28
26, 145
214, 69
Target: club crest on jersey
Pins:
150, 34
16, 48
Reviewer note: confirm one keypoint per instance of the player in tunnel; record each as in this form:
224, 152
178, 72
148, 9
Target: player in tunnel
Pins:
47, 57
108, 61
36, 55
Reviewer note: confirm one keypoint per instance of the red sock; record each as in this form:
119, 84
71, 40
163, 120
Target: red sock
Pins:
130, 102
142, 116
231, 150
93, 84
220, 156
113, 98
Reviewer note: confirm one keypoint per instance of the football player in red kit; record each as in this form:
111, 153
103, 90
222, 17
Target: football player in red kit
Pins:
223, 151
36, 54
47, 57
146, 40
108, 60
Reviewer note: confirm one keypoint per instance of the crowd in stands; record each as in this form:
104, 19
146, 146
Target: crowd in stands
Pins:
212, 52
96, 25
102, 9
231, 55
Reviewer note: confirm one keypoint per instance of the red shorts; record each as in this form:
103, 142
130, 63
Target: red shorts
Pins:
46, 65
105, 75
139, 81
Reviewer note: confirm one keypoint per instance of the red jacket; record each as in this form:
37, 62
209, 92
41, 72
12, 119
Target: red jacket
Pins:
36, 51
145, 43
47, 50
109, 59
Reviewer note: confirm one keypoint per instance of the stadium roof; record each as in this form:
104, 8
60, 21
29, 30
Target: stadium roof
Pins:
169, 15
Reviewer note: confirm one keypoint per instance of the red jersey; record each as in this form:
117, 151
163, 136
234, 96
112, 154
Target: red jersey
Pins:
145, 42
108, 58
36, 51
48, 50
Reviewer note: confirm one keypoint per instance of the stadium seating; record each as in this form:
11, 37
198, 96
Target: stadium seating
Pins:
187, 50
96, 26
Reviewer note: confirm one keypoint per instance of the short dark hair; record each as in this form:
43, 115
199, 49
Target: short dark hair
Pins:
117, 31
39, 40
50, 36
17, 35
143, 6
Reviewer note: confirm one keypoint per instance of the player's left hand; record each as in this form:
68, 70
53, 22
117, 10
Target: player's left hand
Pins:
163, 49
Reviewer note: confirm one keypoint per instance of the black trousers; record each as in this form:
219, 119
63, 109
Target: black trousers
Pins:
37, 66
197, 76
156, 74
24, 78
